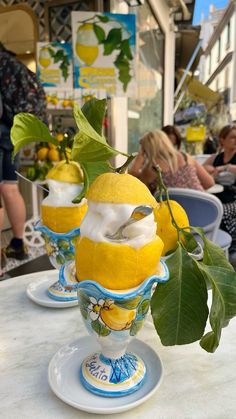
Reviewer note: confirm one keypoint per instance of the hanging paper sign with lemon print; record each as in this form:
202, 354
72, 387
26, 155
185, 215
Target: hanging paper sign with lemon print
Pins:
54, 65
104, 52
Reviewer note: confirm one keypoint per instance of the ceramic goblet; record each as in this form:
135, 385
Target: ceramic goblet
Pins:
60, 250
115, 317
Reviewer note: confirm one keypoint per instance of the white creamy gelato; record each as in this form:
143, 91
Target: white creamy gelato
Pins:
61, 194
104, 219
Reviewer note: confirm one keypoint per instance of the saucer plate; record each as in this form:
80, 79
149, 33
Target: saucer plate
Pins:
37, 291
63, 376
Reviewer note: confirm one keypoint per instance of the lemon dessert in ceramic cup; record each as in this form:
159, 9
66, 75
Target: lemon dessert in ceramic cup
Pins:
117, 262
61, 220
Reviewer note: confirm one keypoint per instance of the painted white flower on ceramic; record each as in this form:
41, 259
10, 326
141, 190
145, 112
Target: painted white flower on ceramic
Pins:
95, 307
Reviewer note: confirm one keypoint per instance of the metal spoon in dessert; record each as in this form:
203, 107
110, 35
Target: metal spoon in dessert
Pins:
138, 213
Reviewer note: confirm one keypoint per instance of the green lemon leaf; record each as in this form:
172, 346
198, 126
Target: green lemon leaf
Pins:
99, 32
59, 56
84, 313
143, 308
223, 308
91, 170
129, 304
189, 241
123, 66
64, 70
135, 327
68, 255
60, 259
64, 244
125, 48
51, 51
213, 254
112, 41
84, 125
179, 306
86, 149
27, 129
94, 110
99, 328
103, 18
83, 298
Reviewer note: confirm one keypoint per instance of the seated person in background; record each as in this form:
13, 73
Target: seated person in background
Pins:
223, 167
211, 144
174, 135
178, 169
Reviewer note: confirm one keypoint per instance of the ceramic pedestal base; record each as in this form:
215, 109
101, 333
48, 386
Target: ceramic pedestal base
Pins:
115, 317
65, 289
113, 377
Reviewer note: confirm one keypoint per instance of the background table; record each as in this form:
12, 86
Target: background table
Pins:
217, 188
195, 385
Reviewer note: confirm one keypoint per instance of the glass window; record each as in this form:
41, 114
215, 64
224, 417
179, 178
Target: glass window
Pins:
145, 111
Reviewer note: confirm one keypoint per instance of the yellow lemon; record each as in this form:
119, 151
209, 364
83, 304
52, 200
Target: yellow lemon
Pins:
42, 153
53, 154
119, 189
65, 217
66, 172
87, 44
65, 103
60, 136
62, 219
117, 318
116, 266
165, 229
54, 100
52, 146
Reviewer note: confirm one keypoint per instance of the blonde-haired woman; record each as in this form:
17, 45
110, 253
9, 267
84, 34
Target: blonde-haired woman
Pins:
178, 169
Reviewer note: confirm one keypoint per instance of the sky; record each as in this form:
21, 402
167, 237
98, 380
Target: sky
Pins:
203, 6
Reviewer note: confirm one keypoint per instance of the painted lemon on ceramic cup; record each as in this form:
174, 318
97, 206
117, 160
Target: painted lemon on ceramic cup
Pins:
65, 182
86, 44
117, 265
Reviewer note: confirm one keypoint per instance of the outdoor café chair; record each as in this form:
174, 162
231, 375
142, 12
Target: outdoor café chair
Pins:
204, 210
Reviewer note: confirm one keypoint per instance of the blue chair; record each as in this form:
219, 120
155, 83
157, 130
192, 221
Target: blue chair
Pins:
204, 210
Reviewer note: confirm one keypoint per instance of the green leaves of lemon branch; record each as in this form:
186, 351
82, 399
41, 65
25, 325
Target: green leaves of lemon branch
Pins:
26, 129
113, 41
60, 55
90, 148
222, 278
179, 307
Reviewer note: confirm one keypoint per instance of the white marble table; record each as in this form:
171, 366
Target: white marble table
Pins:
195, 385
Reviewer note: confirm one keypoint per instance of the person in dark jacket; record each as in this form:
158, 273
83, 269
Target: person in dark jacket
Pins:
20, 92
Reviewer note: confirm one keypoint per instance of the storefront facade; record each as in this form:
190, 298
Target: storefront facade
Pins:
152, 106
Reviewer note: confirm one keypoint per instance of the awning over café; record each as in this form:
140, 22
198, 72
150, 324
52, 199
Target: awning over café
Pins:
199, 92
187, 40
